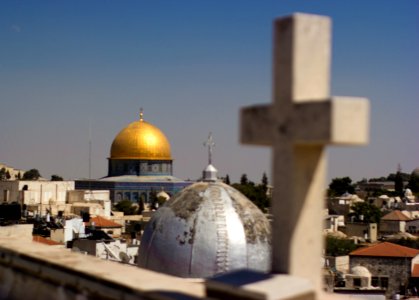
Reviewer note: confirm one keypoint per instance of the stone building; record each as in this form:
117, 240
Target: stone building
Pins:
38, 197
13, 172
393, 222
390, 265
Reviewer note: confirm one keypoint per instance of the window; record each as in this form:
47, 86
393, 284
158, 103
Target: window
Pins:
384, 282
377, 281
357, 282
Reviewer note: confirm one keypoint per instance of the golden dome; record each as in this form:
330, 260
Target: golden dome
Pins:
141, 140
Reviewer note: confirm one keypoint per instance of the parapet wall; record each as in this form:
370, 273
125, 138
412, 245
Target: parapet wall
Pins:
30, 270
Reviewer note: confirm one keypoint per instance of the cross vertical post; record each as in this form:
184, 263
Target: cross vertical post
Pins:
298, 124
210, 144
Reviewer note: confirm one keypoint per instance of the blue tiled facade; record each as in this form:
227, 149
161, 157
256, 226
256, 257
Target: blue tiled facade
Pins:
133, 191
138, 167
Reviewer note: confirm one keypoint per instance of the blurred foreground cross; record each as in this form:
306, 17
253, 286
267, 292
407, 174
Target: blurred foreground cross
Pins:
301, 120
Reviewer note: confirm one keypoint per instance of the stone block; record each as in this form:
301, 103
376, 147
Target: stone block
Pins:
252, 285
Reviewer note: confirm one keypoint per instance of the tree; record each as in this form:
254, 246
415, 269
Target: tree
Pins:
414, 182
244, 180
338, 246
366, 213
154, 200
227, 180
126, 207
340, 186
377, 179
141, 206
56, 178
3, 174
8, 176
32, 174
264, 182
398, 184
255, 193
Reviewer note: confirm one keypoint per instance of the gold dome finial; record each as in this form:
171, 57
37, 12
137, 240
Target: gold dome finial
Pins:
141, 114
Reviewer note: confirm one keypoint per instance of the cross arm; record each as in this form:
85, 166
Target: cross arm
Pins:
256, 125
341, 121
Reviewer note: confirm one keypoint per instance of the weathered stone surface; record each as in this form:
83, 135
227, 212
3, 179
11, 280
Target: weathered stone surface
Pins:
397, 269
30, 270
298, 124
209, 228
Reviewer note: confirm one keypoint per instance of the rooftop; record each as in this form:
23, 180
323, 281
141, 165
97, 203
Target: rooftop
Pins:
385, 249
102, 222
395, 215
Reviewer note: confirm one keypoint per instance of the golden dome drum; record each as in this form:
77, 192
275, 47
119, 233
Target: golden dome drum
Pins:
141, 140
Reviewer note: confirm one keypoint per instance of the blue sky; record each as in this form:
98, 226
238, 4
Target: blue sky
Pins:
69, 65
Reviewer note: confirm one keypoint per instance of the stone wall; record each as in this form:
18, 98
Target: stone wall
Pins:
397, 269
389, 227
30, 270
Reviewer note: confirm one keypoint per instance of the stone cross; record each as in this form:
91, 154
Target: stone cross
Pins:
298, 124
210, 144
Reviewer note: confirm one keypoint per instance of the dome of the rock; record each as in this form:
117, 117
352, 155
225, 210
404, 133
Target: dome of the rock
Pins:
141, 140
206, 229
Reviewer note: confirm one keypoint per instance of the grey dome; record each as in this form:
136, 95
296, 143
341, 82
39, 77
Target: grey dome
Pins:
208, 228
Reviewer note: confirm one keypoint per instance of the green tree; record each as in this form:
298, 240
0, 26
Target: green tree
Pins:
340, 186
141, 206
3, 174
382, 178
398, 184
32, 174
392, 176
8, 176
56, 178
366, 212
244, 180
264, 182
126, 207
414, 182
339, 246
255, 193
154, 200
227, 180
